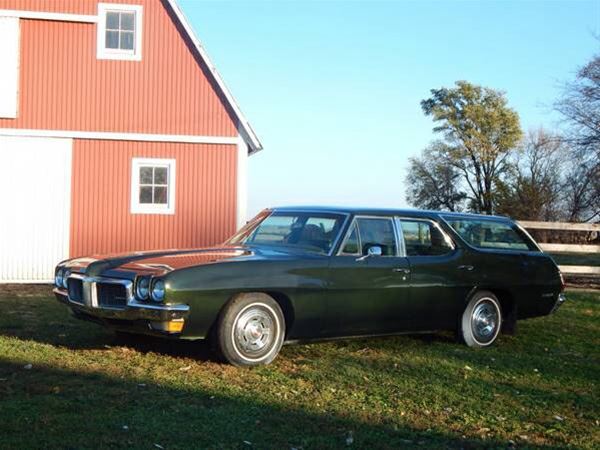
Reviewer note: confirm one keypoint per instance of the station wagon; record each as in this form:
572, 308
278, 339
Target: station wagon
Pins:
316, 273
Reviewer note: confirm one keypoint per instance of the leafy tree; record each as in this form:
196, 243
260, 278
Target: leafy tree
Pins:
432, 182
480, 131
531, 189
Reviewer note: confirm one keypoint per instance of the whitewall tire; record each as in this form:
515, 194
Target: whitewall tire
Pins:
481, 320
250, 330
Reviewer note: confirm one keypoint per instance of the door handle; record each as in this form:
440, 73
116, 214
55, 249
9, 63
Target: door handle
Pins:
466, 267
401, 270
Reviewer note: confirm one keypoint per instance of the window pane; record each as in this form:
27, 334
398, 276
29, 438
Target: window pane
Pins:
160, 195
112, 21
126, 40
127, 21
351, 247
377, 232
424, 239
112, 39
145, 175
490, 234
160, 175
146, 194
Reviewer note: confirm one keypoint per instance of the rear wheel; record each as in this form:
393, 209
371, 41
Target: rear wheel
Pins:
481, 320
250, 330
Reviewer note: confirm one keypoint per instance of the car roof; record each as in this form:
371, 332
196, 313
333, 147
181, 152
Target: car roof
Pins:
384, 212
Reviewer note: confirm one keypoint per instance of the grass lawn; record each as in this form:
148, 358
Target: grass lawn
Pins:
73, 385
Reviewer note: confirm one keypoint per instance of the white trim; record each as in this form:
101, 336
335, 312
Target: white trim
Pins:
101, 135
141, 208
41, 15
246, 131
107, 53
10, 43
242, 183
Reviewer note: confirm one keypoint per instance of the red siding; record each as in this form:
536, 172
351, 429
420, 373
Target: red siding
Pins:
205, 203
64, 87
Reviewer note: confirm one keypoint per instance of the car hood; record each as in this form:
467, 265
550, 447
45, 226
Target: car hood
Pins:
157, 263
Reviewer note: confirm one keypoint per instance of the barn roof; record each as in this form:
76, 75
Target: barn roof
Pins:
245, 130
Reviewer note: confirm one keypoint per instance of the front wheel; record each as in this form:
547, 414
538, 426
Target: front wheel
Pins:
481, 320
251, 330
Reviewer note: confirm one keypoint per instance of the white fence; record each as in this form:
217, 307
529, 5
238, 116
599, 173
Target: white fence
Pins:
568, 248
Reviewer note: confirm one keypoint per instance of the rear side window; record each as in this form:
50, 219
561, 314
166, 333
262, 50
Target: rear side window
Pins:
490, 234
423, 238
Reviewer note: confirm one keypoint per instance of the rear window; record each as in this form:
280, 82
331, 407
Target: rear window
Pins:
490, 234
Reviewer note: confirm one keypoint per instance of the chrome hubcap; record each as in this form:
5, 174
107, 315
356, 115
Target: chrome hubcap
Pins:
253, 331
484, 321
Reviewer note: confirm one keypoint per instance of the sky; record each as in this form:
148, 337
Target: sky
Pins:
333, 88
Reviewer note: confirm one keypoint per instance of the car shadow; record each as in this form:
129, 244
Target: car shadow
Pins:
96, 409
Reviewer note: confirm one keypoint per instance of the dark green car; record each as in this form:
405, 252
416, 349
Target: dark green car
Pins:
297, 274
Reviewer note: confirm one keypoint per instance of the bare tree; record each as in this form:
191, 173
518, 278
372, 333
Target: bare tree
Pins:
532, 188
432, 182
580, 106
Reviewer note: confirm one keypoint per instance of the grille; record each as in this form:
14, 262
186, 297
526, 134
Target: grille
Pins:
75, 288
113, 295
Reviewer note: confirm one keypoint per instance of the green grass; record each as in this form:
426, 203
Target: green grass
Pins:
538, 389
577, 259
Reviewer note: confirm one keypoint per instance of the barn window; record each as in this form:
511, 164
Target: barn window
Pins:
152, 186
119, 31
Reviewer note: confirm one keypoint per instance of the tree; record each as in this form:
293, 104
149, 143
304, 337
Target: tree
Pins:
532, 188
480, 130
580, 106
432, 182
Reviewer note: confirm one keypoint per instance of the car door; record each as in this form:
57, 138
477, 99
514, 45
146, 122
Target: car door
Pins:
368, 293
441, 274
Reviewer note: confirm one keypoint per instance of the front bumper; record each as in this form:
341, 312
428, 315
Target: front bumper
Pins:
134, 316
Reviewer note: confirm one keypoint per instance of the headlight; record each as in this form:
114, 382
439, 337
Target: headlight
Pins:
58, 278
66, 275
142, 289
158, 291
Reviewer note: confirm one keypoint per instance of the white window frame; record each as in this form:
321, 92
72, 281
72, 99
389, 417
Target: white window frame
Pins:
118, 54
147, 208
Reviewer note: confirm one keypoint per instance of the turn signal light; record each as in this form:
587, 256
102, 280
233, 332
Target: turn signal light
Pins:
172, 326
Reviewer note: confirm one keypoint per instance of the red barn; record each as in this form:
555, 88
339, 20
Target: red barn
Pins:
116, 134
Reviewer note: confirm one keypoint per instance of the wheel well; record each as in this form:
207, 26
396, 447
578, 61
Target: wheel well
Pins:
287, 308
507, 301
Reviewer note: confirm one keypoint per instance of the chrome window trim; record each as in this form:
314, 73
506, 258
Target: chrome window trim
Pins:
447, 238
334, 243
355, 222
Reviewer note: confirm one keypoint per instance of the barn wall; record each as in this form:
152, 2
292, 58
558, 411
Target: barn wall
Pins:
205, 202
63, 86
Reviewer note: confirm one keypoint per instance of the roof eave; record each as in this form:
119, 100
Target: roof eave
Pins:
246, 131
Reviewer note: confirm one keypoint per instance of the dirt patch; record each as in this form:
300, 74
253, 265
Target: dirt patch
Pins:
25, 290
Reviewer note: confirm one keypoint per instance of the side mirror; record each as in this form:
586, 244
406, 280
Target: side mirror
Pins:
375, 250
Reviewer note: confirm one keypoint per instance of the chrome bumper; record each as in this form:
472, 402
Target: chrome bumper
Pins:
559, 301
131, 310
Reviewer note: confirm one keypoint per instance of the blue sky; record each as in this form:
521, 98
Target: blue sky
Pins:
332, 88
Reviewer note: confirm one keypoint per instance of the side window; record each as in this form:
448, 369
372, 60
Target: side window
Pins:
352, 244
152, 186
491, 234
377, 232
119, 31
423, 238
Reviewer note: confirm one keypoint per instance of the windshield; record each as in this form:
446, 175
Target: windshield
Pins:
311, 231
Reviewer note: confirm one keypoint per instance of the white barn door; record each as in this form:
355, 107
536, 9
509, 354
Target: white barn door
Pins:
35, 198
